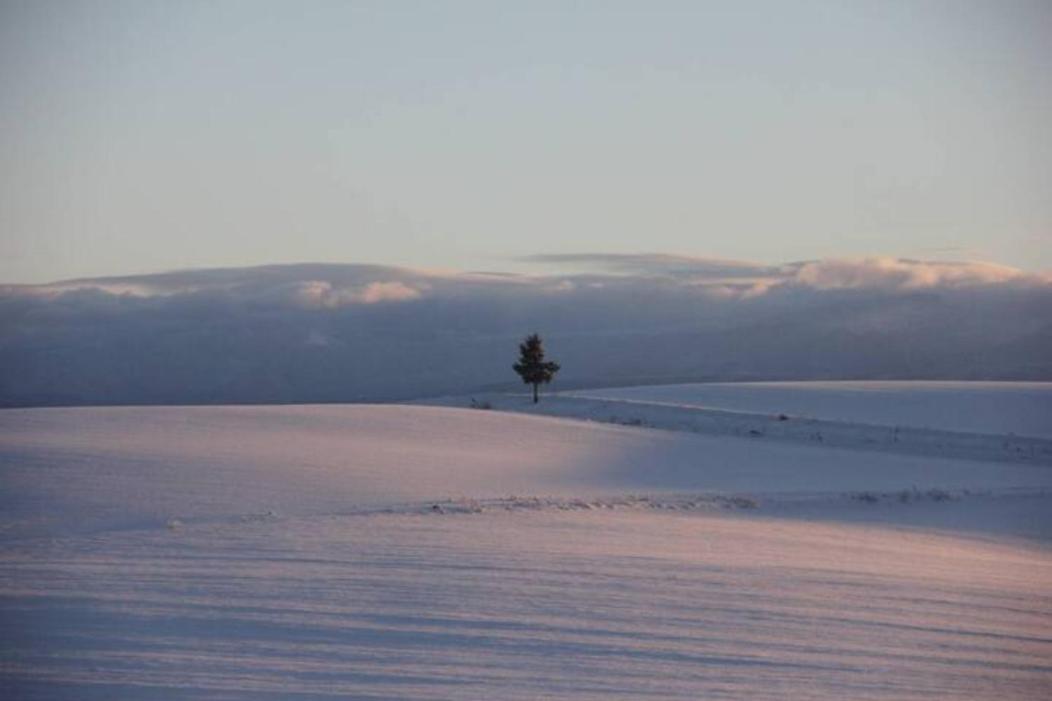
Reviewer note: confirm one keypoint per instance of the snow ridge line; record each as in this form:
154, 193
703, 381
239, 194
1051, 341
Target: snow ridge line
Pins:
697, 502
514, 504
703, 502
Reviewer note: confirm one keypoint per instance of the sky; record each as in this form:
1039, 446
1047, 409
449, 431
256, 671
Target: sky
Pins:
146, 136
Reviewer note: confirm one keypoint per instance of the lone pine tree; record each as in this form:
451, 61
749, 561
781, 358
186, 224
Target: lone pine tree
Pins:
532, 367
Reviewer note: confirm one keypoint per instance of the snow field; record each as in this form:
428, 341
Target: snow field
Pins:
415, 552
580, 605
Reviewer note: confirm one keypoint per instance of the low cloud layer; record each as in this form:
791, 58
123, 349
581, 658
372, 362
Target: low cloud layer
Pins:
658, 264
304, 333
898, 274
319, 294
876, 273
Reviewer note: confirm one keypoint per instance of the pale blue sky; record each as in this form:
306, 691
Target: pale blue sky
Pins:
142, 136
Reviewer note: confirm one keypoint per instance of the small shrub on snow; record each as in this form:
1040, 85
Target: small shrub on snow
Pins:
743, 502
866, 497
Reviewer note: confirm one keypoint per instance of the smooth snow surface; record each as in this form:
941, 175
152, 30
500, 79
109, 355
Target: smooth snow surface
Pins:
416, 552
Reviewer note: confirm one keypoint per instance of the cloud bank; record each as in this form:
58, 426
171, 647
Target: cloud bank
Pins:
313, 332
845, 273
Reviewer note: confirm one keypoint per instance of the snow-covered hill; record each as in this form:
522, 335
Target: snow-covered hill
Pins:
372, 552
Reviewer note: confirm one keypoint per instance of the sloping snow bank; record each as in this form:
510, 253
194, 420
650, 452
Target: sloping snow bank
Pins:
767, 425
999, 408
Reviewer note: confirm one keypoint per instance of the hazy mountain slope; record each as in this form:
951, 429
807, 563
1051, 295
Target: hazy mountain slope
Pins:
324, 333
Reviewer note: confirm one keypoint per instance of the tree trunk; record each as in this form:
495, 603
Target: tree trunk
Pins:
534, 392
